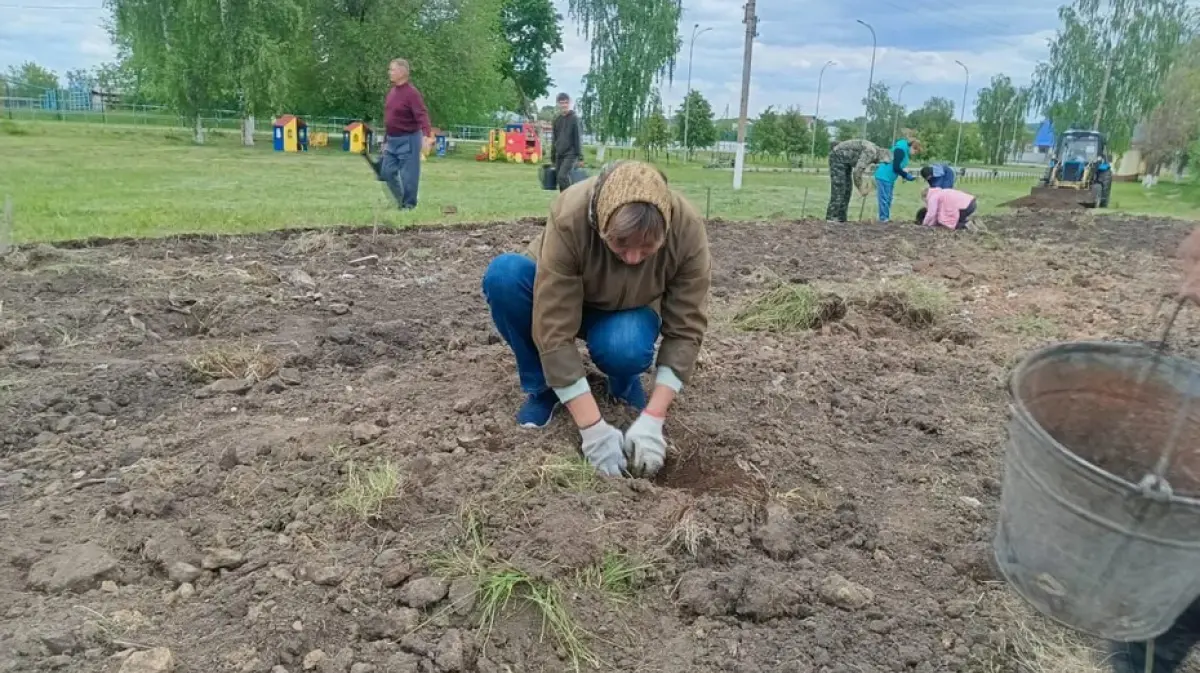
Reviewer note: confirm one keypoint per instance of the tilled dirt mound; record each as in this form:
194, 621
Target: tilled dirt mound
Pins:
296, 452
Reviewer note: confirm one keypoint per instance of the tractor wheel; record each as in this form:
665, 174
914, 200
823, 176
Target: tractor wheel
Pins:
1097, 192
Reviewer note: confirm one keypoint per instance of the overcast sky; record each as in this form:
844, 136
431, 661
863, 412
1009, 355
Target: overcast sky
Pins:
919, 41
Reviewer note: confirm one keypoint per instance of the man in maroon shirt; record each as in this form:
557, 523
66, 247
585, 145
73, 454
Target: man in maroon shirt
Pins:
408, 131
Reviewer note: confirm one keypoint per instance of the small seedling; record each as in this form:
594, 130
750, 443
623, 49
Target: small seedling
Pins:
617, 575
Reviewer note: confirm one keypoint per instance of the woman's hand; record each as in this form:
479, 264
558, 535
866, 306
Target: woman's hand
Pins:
602, 446
645, 446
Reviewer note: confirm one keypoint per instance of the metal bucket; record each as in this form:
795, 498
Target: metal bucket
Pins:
1077, 536
548, 176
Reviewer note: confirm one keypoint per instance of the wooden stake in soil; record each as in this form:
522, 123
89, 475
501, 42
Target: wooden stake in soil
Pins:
804, 203
708, 204
862, 208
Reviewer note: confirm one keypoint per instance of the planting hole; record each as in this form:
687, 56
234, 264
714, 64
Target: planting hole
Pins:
696, 472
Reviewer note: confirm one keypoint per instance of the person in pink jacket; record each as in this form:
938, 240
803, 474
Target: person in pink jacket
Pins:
950, 208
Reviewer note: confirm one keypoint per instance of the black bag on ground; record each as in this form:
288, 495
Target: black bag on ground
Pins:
549, 177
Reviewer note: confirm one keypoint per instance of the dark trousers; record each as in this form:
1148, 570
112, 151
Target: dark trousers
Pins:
621, 343
401, 167
840, 184
1170, 649
965, 214
563, 170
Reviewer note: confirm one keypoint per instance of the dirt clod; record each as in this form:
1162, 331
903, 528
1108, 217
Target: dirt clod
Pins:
156, 660
839, 591
217, 559
423, 592
76, 568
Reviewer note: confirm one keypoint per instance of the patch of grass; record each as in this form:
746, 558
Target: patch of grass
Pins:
365, 490
790, 307
11, 128
234, 361
617, 576
499, 583
148, 180
1037, 645
911, 300
570, 473
1032, 325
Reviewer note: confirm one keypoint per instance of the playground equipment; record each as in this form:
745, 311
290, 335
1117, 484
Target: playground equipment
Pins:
1099, 522
357, 137
518, 143
291, 134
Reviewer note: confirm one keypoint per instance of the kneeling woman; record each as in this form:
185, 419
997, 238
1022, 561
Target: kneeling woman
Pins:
623, 259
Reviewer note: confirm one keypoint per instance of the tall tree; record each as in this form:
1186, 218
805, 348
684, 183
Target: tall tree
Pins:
30, 80
847, 129
634, 43
794, 132
765, 135
533, 32
934, 124
881, 113
455, 49
180, 50
700, 130
654, 133
1174, 125
999, 109
822, 143
1107, 62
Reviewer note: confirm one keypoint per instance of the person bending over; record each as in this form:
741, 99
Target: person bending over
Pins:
623, 259
950, 208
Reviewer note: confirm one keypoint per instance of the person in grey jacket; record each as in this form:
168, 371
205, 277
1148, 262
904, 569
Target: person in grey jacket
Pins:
566, 149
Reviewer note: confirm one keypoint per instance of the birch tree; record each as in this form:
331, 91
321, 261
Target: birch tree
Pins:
634, 43
1107, 63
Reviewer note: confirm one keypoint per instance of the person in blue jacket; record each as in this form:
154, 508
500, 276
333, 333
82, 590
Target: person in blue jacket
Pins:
886, 174
939, 176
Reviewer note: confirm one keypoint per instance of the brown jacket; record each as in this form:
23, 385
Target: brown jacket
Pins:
576, 269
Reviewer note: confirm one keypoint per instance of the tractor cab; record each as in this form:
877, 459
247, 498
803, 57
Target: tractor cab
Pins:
1076, 157
1077, 172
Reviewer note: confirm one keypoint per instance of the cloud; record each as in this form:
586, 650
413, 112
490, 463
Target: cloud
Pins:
60, 39
918, 43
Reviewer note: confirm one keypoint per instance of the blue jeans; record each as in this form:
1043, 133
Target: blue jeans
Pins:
883, 193
621, 343
401, 167
1170, 649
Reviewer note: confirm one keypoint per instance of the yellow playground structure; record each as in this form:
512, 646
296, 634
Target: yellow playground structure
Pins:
518, 143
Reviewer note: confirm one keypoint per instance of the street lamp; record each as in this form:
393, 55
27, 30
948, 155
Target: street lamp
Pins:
962, 109
871, 76
899, 109
688, 95
812, 150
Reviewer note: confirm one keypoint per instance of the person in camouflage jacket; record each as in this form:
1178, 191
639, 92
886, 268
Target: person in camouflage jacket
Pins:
849, 162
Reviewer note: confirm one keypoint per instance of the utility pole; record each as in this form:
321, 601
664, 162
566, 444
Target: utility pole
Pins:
962, 109
739, 163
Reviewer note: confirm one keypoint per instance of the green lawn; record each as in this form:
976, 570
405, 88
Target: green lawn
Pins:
73, 181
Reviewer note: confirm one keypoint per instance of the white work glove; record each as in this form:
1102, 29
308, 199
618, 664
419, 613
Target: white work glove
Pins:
602, 446
645, 446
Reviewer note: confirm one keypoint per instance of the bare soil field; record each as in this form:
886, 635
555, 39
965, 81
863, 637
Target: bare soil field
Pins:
296, 452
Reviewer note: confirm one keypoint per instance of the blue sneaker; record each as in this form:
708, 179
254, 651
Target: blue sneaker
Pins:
631, 392
538, 410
